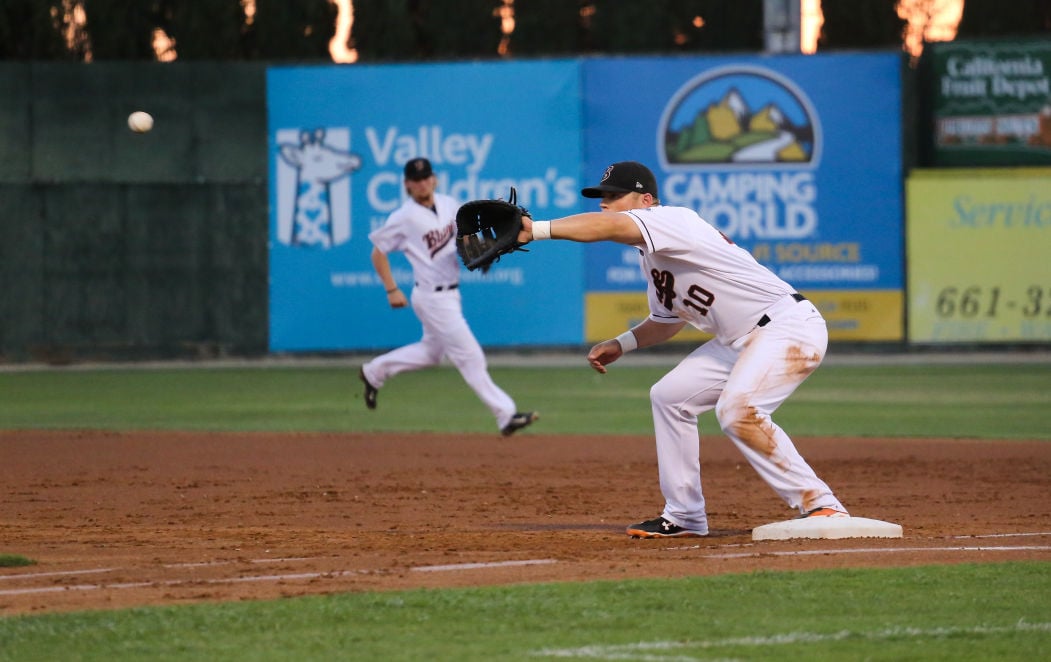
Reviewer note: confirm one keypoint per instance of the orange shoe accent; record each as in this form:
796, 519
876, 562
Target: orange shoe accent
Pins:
824, 512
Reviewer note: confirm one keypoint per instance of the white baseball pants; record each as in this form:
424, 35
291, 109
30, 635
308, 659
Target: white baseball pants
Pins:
744, 383
445, 333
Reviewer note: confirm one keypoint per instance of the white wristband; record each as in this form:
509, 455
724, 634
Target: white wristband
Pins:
541, 230
628, 341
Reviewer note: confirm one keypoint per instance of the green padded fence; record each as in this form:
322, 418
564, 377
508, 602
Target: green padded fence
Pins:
125, 245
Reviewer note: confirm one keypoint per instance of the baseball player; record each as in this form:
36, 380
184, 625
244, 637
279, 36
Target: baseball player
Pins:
424, 229
767, 339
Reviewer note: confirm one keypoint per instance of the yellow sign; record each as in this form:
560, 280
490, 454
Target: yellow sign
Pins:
851, 314
979, 255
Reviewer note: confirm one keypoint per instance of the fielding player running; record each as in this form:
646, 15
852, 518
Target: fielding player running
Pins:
768, 339
424, 229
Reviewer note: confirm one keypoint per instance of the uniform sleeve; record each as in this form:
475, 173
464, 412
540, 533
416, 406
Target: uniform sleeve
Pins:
647, 239
447, 207
664, 229
390, 236
665, 319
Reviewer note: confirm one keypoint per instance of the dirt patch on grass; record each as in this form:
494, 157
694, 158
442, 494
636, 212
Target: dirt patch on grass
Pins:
146, 518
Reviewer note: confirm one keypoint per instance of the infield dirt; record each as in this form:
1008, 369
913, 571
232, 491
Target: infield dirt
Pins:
146, 518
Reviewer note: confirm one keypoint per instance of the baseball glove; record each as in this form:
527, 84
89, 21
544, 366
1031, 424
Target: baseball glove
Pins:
486, 230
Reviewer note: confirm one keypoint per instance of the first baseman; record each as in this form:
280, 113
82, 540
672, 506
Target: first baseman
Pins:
767, 339
424, 229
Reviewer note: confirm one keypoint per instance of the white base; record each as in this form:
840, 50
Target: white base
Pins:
827, 528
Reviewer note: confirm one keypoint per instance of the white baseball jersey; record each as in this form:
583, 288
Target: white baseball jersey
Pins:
698, 275
426, 238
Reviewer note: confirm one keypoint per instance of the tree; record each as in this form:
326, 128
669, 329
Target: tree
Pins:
383, 30
426, 29
548, 27
121, 29
29, 30
458, 28
212, 30
727, 26
670, 26
635, 27
291, 30
989, 18
861, 24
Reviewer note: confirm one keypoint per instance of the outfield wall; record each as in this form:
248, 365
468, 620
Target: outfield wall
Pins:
174, 242
798, 159
990, 102
132, 245
978, 263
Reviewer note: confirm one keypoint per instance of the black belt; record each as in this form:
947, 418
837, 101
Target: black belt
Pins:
439, 288
765, 319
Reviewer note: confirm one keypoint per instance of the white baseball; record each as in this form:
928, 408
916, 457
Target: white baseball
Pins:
140, 122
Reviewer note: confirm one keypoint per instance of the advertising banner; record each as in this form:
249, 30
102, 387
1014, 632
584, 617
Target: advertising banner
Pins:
796, 158
978, 256
992, 102
339, 137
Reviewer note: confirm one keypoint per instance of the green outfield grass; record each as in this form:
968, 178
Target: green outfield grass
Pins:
992, 401
957, 612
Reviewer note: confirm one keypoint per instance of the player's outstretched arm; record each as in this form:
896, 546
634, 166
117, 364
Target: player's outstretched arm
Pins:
587, 227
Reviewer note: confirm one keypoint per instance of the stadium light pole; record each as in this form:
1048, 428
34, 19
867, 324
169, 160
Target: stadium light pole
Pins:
781, 26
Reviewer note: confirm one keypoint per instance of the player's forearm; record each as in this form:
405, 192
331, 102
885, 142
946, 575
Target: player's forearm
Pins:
381, 264
649, 333
593, 226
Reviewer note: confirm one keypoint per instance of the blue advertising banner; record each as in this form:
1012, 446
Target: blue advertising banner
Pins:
796, 158
338, 139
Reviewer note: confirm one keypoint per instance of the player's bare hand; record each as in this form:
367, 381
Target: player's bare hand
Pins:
525, 235
397, 299
603, 354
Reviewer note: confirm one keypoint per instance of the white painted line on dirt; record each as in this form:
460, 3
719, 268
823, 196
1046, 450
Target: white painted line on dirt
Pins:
961, 537
276, 578
74, 587
290, 558
238, 580
215, 563
879, 550
639, 651
58, 573
1005, 535
472, 566
178, 582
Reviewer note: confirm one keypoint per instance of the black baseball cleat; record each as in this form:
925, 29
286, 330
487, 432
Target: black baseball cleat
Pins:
370, 391
662, 528
519, 421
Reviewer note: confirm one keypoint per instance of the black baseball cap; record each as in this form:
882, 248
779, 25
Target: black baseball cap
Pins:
624, 177
418, 168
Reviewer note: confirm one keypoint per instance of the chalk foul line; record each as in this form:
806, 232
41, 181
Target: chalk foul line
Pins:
331, 574
57, 573
473, 566
881, 550
638, 651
